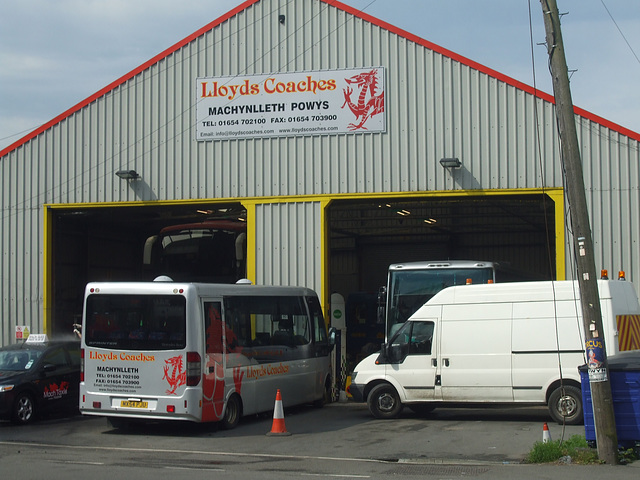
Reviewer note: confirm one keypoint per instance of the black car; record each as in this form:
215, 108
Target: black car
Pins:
39, 377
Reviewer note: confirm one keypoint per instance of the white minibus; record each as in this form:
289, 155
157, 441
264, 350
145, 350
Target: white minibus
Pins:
200, 352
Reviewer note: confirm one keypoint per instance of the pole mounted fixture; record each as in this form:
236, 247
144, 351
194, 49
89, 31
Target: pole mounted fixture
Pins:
604, 419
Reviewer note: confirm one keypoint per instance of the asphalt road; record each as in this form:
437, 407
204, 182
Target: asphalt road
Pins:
340, 440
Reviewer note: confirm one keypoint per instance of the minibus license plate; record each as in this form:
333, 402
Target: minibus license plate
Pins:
130, 404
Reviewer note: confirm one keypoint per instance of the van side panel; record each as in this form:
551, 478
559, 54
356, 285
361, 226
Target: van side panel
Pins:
547, 340
546, 326
475, 352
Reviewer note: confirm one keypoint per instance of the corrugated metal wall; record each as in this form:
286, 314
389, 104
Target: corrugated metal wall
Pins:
21, 241
436, 107
611, 163
288, 244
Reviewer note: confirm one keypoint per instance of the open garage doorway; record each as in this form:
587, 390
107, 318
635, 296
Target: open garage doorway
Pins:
108, 244
366, 236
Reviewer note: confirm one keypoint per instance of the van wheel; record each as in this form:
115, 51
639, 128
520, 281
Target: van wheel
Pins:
384, 401
565, 405
232, 413
24, 409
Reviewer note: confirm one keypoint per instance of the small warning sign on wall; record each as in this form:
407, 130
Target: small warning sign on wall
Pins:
22, 332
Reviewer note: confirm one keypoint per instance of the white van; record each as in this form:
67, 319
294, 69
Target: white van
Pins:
510, 343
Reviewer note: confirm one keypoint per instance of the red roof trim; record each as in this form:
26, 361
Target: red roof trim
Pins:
364, 16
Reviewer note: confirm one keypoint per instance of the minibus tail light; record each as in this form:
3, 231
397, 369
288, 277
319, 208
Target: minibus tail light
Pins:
82, 365
194, 369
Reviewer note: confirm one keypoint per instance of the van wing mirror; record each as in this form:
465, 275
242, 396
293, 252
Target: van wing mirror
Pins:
382, 303
332, 336
397, 353
383, 357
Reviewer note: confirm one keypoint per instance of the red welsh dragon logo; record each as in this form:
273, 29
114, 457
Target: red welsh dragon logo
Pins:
369, 104
174, 373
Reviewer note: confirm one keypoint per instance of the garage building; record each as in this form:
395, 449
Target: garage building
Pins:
343, 144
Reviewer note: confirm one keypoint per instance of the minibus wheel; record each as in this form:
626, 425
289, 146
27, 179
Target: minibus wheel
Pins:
565, 405
384, 401
326, 396
232, 413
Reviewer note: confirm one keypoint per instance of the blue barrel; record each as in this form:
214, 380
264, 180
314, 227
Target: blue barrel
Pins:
624, 376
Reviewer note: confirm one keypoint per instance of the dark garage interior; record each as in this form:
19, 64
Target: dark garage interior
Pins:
106, 243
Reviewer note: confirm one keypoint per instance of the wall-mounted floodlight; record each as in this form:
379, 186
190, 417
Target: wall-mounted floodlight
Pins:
450, 162
128, 174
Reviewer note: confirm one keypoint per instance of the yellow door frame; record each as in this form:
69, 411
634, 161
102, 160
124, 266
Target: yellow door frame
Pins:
250, 204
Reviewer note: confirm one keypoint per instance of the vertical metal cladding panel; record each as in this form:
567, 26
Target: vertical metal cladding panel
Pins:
21, 247
8, 241
288, 243
612, 182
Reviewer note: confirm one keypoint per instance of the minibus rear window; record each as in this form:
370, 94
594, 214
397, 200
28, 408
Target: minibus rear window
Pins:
135, 322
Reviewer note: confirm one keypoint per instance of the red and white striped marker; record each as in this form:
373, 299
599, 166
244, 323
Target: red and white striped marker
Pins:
546, 436
278, 427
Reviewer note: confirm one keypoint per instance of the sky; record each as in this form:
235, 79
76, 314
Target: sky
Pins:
56, 53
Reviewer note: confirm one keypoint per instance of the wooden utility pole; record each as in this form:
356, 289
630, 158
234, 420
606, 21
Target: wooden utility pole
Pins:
604, 420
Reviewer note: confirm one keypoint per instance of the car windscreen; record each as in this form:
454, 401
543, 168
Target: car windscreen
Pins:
18, 360
135, 322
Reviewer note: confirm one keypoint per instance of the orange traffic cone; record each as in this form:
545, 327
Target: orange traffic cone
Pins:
278, 427
546, 436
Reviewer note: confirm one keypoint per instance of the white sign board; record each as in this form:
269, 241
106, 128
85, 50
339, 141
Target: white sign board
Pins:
37, 338
289, 104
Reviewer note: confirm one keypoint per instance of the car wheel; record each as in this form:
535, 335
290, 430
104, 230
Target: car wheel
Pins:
232, 413
565, 405
24, 409
384, 401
